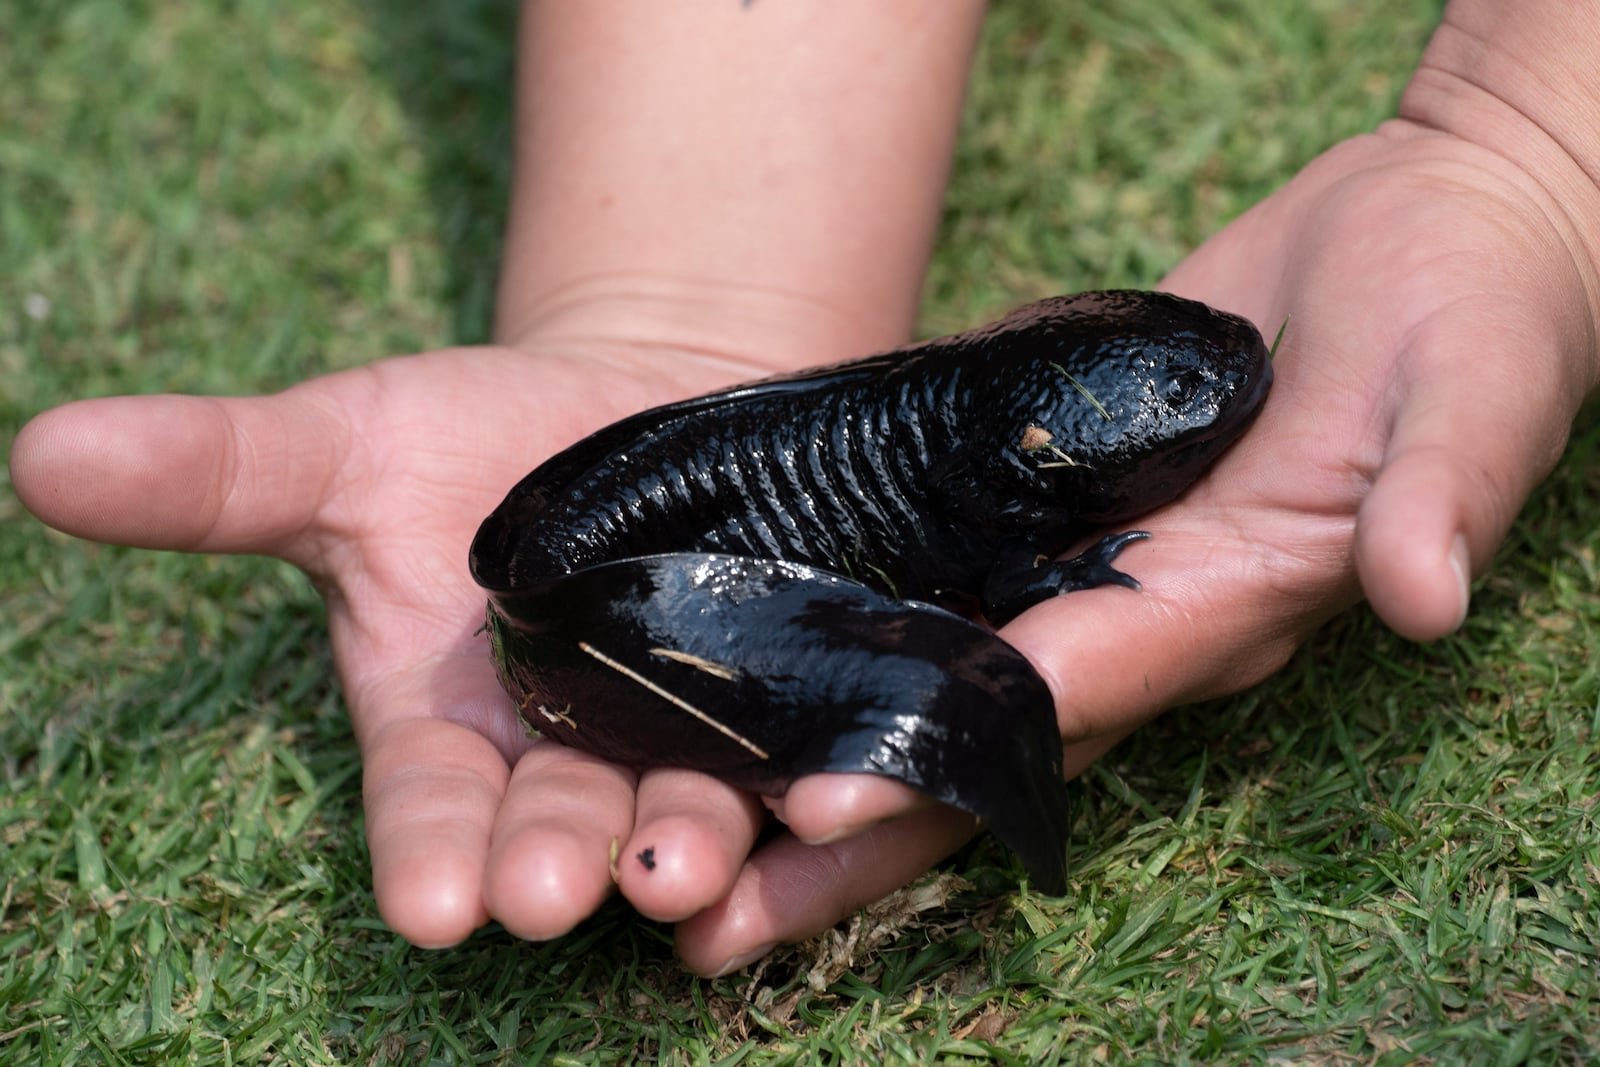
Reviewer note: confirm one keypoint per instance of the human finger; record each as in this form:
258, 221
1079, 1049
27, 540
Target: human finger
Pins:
820, 808
431, 789
789, 890
564, 815
208, 474
1466, 448
690, 836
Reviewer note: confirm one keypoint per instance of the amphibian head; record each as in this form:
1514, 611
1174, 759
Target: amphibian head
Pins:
1108, 405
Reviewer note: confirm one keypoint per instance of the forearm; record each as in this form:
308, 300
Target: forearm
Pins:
1523, 80
707, 175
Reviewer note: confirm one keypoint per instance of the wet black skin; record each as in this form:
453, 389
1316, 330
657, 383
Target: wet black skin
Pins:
777, 580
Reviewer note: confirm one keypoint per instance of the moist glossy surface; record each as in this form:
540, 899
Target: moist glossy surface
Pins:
747, 583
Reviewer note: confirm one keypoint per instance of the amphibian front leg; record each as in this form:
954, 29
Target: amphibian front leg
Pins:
1023, 577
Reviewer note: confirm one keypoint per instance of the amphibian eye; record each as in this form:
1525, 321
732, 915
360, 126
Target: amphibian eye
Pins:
1181, 388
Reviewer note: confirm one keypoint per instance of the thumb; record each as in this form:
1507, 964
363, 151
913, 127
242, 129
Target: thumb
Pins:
205, 474
1477, 425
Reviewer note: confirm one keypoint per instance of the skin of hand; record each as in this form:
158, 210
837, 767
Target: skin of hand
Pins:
1380, 466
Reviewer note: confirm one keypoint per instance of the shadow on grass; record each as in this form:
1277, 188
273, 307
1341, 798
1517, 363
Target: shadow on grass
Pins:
452, 66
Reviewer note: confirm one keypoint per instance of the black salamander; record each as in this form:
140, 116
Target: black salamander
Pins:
780, 579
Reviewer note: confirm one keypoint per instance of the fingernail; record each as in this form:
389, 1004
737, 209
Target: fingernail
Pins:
1461, 563
743, 960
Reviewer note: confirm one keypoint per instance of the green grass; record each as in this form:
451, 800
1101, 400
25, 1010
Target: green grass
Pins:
1387, 853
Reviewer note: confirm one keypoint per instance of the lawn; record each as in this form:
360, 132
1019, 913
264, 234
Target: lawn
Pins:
1388, 853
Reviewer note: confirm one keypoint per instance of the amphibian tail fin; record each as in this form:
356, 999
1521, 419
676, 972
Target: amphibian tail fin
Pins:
760, 671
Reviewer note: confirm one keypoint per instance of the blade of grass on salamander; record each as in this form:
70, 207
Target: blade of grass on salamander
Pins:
1084, 389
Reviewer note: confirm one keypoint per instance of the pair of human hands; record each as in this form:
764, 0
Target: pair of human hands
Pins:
1441, 339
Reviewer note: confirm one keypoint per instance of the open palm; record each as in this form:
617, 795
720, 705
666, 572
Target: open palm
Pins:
373, 481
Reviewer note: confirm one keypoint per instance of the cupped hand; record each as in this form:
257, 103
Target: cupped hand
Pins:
373, 481
1441, 318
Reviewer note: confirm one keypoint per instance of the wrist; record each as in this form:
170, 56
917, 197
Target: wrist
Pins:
714, 332
1518, 80
759, 183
